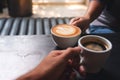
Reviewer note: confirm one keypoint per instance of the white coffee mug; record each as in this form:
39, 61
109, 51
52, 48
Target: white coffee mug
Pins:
94, 60
65, 41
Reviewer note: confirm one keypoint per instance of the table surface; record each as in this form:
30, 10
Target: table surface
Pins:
20, 54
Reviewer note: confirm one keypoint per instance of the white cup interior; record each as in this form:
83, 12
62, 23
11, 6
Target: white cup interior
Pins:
95, 38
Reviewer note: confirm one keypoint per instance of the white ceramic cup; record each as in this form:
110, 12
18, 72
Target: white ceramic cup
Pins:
91, 59
62, 41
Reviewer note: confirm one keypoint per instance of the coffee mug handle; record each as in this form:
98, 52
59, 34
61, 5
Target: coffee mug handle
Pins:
78, 75
81, 57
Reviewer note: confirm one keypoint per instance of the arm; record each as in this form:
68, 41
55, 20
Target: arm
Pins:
94, 9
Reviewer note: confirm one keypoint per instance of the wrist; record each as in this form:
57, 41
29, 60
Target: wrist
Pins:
30, 76
89, 18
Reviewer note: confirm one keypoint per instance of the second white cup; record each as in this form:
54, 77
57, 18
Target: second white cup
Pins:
95, 51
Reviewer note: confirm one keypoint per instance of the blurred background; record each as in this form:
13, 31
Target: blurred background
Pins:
43, 8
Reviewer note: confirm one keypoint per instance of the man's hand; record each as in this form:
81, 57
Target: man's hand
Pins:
54, 65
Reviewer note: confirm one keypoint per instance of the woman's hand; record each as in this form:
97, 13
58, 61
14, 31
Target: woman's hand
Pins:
82, 22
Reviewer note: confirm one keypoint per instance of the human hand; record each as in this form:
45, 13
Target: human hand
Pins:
81, 22
57, 61
54, 65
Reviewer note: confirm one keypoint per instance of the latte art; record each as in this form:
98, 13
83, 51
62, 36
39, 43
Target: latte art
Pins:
66, 30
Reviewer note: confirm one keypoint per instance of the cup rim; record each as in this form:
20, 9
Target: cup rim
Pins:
100, 37
65, 36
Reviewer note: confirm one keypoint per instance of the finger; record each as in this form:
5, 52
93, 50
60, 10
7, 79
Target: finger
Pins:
55, 53
82, 70
74, 19
80, 25
70, 62
77, 22
71, 51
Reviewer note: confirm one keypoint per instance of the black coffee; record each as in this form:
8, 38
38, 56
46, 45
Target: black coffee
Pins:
94, 46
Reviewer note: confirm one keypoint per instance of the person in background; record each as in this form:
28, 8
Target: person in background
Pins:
1, 6
55, 66
102, 16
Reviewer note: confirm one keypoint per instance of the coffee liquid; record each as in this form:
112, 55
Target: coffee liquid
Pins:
94, 46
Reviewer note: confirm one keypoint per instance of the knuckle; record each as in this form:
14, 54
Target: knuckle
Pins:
69, 49
53, 51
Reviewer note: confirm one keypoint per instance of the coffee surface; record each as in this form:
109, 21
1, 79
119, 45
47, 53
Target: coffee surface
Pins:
66, 30
94, 46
